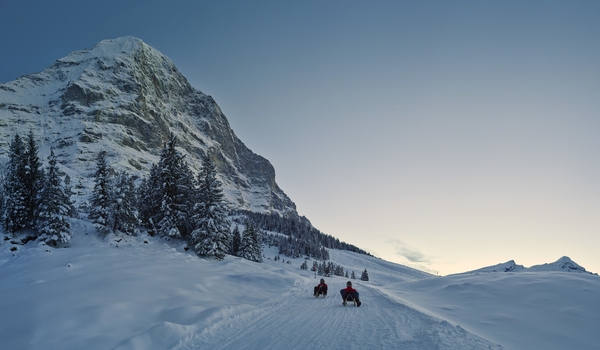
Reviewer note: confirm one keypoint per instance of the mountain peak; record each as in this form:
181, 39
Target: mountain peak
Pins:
564, 264
509, 266
127, 98
124, 43
105, 49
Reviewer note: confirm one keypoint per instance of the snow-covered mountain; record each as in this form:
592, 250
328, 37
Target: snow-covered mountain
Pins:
564, 264
125, 97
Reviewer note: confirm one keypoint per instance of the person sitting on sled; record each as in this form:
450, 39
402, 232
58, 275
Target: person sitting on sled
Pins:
349, 294
321, 288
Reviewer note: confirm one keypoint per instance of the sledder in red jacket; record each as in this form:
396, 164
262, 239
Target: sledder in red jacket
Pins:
350, 294
321, 288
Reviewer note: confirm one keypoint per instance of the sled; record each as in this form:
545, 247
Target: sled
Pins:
320, 293
350, 299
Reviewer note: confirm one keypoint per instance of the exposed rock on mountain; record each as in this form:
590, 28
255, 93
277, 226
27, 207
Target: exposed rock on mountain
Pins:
125, 97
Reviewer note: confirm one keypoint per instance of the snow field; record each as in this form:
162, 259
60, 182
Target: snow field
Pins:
104, 294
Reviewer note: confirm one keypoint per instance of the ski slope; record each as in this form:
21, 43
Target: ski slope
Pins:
296, 320
147, 293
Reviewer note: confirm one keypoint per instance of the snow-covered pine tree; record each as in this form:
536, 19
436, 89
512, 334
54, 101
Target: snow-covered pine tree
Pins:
149, 197
364, 276
3, 166
33, 178
52, 223
186, 199
353, 276
251, 247
101, 200
69, 192
14, 216
124, 215
177, 189
211, 236
236, 239
321, 268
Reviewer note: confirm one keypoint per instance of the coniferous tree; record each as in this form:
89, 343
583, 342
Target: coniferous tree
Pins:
149, 198
364, 276
250, 246
123, 215
32, 180
352, 276
101, 195
176, 191
15, 210
186, 199
211, 236
69, 193
53, 224
236, 239
3, 167
321, 269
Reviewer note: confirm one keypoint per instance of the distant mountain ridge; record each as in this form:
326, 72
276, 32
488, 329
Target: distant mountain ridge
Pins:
125, 97
564, 264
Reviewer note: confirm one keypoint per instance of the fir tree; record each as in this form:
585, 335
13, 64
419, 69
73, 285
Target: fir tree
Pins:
250, 247
149, 198
123, 215
101, 195
3, 167
32, 180
352, 276
69, 192
176, 191
15, 213
364, 276
236, 240
211, 236
53, 223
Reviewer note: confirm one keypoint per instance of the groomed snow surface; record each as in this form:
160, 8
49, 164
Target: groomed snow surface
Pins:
104, 294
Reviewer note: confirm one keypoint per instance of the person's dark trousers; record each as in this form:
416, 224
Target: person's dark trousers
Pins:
320, 290
353, 296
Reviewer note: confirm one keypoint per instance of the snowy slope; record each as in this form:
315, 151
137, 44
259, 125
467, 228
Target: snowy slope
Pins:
103, 294
537, 310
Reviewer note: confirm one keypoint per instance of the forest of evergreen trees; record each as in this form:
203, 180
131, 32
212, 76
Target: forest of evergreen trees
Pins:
33, 198
171, 202
299, 237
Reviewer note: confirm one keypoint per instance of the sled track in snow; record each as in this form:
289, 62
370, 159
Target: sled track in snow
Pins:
300, 321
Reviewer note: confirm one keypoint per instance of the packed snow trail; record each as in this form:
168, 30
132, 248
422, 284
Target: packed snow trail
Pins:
300, 321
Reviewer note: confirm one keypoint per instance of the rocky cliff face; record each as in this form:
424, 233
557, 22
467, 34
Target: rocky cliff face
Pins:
125, 97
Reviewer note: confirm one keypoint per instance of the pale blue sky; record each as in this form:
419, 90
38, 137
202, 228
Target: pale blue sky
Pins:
445, 135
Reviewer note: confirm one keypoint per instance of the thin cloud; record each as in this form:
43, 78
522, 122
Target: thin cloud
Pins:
410, 253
